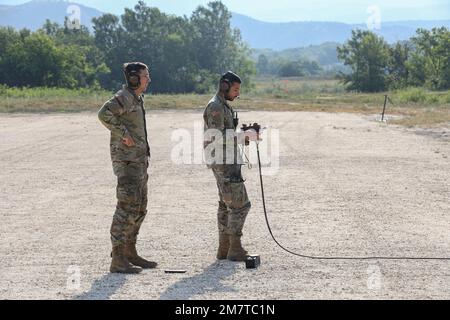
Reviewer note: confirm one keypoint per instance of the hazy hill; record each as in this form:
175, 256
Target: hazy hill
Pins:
32, 15
278, 36
258, 34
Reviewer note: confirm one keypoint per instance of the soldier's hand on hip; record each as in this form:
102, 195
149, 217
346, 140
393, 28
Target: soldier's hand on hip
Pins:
128, 141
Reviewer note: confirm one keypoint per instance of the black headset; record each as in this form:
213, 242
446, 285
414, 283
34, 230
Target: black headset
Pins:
226, 81
225, 85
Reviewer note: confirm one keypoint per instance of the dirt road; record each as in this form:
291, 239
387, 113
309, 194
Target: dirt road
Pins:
346, 185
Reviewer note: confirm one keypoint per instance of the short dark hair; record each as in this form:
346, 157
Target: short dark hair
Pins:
133, 67
230, 77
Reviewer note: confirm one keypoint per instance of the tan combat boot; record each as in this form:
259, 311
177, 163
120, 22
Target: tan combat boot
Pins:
236, 252
224, 245
132, 256
119, 263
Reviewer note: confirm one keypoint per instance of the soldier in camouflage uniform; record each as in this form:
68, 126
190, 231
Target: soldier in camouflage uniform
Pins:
222, 156
124, 116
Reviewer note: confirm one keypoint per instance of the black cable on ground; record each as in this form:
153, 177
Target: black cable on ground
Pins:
330, 257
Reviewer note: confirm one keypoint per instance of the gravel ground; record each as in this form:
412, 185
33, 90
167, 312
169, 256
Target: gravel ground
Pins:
346, 185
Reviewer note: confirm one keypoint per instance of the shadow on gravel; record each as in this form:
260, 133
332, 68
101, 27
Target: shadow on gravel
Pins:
208, 281
104, 287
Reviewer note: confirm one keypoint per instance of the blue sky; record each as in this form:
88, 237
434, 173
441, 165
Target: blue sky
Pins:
350, 11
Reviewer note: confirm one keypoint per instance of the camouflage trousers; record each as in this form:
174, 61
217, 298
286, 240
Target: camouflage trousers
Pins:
131, 206
234, 204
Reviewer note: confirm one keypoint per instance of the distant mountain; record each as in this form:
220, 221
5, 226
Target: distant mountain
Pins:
258, 34
32, 15
279, 36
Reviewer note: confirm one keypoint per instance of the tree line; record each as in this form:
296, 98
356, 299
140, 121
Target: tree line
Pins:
422, 61
185, 54
287, 67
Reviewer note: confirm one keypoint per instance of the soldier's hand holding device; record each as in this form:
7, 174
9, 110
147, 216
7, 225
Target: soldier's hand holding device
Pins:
128, 141
252, 132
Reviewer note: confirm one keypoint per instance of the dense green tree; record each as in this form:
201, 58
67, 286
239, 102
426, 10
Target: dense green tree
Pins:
184, 54
291, 69
187, 54
376, 66
49, 58
398, 71
430, 63
85, 61
217, 46
367, 55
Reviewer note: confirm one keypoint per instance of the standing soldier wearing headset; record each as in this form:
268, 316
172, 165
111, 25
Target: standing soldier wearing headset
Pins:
222, 156
124, 116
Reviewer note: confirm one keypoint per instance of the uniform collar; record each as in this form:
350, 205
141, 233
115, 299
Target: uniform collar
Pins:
127, 91
223, 100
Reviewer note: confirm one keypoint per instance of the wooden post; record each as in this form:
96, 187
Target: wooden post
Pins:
384, 108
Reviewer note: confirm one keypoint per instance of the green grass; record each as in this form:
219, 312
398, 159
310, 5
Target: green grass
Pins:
417, 106
17, 100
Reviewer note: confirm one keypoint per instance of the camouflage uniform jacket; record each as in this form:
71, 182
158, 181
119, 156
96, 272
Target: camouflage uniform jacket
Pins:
219, 115
124, 116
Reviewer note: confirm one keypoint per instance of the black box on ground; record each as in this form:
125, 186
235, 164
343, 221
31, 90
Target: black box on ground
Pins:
252, 262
